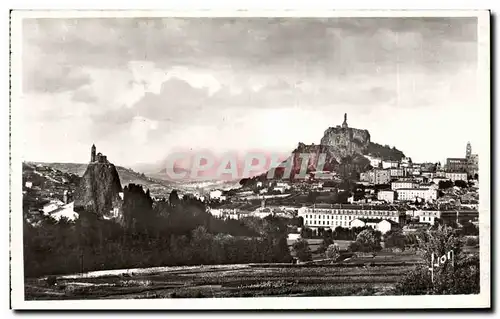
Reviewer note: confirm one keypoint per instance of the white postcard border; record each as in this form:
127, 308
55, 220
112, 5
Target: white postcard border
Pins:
357, 302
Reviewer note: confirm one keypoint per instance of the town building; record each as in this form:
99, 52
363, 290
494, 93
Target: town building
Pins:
456, 164
411, 194
440, 173
406, 162
387, 195
375, 162
420, 179
456, 176
397, 172
427, 216
335, 215
215, 194
382, 225
403, 184
390, 164
376, 176
428, 175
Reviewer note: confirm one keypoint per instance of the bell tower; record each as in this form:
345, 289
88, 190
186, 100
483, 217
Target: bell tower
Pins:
468, 151
92, 153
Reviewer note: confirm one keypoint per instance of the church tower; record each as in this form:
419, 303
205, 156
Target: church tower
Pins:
92, 154
468, 151
344, 125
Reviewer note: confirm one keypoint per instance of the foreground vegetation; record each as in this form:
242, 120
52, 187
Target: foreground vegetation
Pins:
166, 233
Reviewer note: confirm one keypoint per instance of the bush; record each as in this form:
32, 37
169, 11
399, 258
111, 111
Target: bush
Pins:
472, 241
461, 277
367, 241
51, 281
302, 250
333, 252
395, 239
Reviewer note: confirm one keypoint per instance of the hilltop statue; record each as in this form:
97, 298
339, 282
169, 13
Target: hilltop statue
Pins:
344, 125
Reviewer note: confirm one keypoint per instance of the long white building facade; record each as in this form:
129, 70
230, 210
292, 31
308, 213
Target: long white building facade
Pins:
331, 216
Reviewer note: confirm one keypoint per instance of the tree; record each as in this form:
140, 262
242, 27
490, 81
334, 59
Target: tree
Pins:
173, 199
306, 232
367, 241
311, 197
469, 229
459, 275
445, 184
395, 239
461, 183
302, 250
327, 241
333, 252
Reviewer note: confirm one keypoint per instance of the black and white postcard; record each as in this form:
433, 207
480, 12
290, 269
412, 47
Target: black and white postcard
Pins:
250, 160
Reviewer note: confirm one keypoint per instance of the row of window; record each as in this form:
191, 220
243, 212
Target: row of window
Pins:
358, 213
326, 223
347, 219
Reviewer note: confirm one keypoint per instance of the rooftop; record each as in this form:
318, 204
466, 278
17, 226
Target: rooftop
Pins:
375, 220
353, 206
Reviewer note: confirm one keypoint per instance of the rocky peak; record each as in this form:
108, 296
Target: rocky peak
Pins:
99, 190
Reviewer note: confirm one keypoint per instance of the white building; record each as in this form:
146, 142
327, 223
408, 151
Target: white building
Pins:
437, 179
406, 162
402, 184
376, 176
52, 206
411, 194
332, 216
294, 236
262, 212
386, 195
397, 172
283, 185
374, 161
456, 176
28, 184
381, 225
281, 189
215, 194
390, 164
65, 211
427, 216
224, 212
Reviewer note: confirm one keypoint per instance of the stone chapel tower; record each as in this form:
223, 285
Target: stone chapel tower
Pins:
92, 154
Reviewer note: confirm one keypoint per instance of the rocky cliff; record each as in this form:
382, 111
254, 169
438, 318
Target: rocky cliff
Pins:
344, 150
346, 142
98, 191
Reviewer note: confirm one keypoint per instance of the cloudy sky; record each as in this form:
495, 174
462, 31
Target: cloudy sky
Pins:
142, 88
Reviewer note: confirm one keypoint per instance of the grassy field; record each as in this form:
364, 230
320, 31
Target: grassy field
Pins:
358, 276
315, 243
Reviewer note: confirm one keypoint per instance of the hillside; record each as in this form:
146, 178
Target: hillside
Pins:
156, 186
385, 152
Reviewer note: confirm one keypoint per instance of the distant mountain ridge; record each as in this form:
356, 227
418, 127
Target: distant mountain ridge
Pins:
127, 175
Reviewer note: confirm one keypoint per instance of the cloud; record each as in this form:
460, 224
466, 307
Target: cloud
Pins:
156, 83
